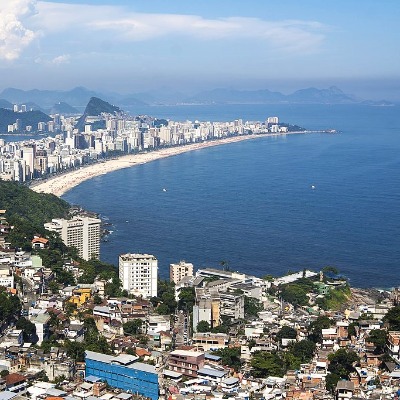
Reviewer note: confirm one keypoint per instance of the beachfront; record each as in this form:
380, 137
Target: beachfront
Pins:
60, 184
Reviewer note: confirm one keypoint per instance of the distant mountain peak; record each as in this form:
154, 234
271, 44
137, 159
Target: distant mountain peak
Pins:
97, 106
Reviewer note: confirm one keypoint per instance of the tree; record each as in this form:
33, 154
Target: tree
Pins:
315, 328
224, 265
29, 329
392, 318
163, 309
294, 294
352, 329
303, 350
69, 308
378, 338
10, 306
75, 350
42, 376
4, 373
342, 362
330, 271
187, 298
252, 306
230, 356
331, 381
97, 299
265, 363
203, 326
53, 287
286, 332
133, 327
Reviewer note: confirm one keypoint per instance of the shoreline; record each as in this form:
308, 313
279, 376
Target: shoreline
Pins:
61, 184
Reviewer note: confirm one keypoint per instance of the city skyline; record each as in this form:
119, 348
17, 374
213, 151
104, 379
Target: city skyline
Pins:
133, 46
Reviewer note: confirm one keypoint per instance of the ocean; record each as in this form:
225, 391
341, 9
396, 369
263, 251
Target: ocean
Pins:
269, 205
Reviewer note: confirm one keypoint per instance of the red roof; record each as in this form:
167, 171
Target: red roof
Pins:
12, 379
142, 352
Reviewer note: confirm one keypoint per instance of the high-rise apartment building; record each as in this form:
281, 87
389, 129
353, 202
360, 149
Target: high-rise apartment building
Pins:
178, 271
80, 232
138, 274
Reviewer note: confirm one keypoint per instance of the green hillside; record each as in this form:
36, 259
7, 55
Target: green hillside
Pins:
28, 210
32, 118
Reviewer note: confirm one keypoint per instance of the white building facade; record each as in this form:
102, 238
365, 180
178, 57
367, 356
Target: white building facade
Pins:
80, 232
138, 274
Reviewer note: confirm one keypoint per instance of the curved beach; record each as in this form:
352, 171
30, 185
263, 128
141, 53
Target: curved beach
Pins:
60, 184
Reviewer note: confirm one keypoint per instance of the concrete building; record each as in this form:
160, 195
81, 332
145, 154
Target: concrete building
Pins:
123, 372
80, 232
186, 362
138, 274
210, 341
178, 271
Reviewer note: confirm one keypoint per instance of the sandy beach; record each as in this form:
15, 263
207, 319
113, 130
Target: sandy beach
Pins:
60, 184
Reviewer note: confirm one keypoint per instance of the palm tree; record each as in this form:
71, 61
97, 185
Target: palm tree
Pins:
224, 265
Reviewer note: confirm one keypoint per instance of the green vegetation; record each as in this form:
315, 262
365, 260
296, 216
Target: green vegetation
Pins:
392, 318
252, 307
165, 302
296, 293
203, 326
286, 332
187, 297
28, 118
10, 306
315, 328
27, 211
341, 364
265, 363
378, 338
230, 356
29, 329
93, 341
133, 327
335, 299
303, 350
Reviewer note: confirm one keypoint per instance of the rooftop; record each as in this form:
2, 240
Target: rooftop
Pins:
112, 360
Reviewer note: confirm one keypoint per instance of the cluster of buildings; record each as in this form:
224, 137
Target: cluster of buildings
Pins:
70, 148
169, 357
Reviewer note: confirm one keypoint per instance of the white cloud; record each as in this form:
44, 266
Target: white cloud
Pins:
14, 35
126, 26
62, 59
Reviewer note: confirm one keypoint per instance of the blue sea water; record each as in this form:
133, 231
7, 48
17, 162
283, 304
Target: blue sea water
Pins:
252, 204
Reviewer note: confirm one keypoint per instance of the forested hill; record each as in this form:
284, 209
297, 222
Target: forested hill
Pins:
29, 118
95, 107
28, 210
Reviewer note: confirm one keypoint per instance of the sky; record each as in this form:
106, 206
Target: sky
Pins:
131, 46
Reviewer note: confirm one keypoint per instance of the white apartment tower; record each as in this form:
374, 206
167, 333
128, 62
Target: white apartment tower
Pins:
80, 232
178, 271
138, 274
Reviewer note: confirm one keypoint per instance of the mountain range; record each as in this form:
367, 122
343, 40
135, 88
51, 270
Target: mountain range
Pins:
77, 98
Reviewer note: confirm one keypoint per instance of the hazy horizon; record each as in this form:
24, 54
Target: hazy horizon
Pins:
138, 46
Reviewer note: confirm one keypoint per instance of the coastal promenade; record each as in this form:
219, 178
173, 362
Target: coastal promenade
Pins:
60, 184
